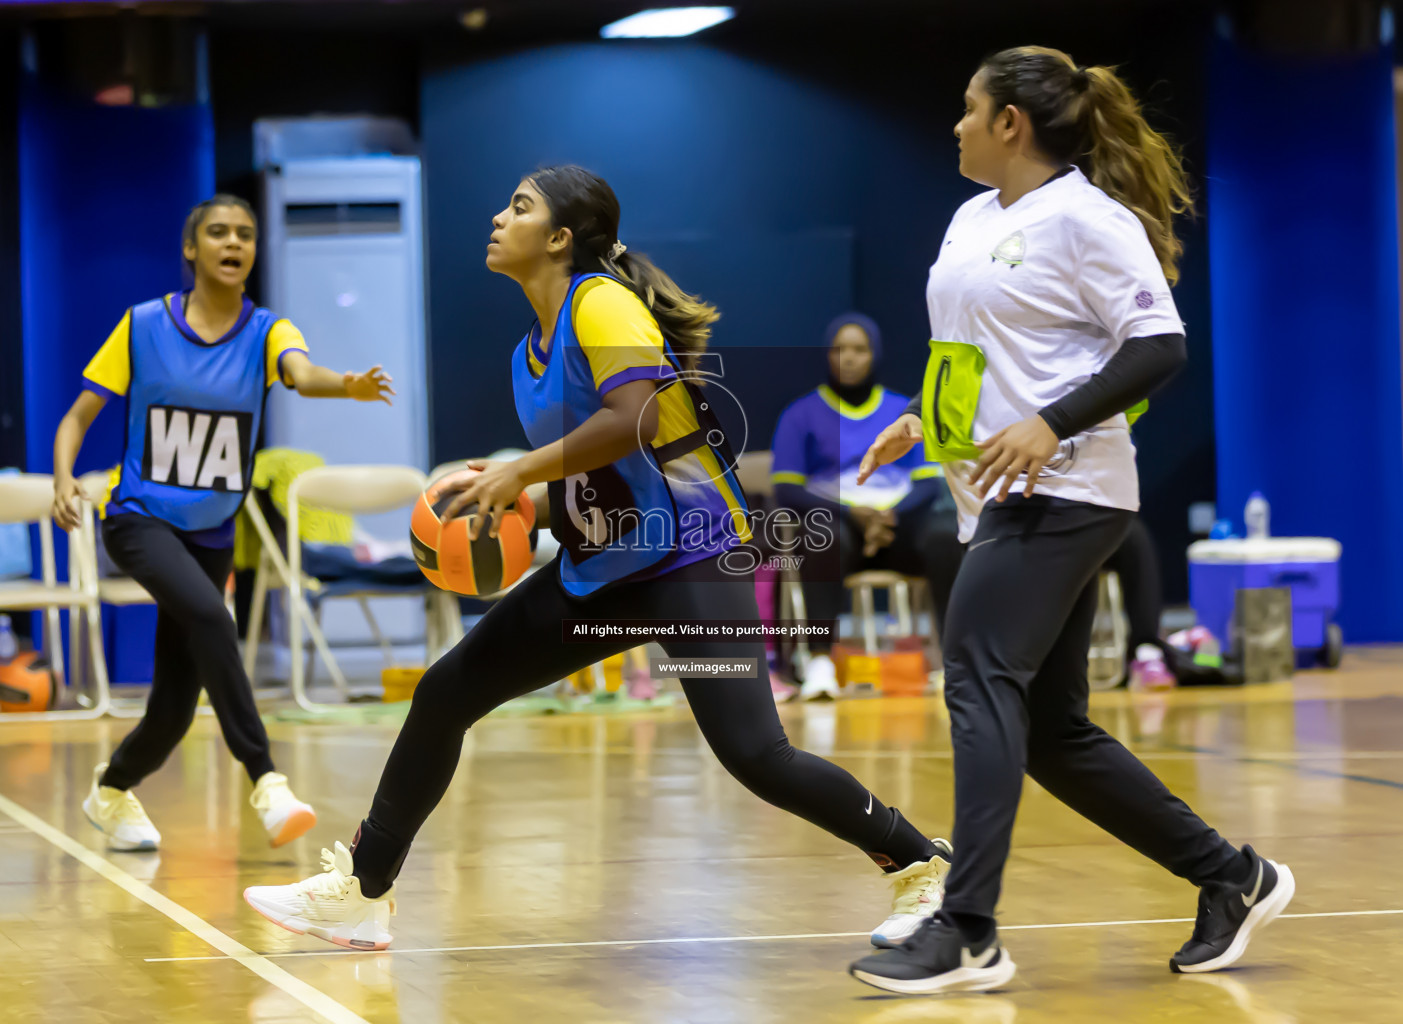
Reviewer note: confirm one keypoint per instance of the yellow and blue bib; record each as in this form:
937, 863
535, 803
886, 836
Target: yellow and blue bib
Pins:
670, 503
194, 412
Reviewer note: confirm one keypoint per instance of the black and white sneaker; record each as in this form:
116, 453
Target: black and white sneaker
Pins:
1228, 916
937, 958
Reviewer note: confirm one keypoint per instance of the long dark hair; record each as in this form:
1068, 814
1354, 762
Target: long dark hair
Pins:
1089, 117
584, 203
201, 210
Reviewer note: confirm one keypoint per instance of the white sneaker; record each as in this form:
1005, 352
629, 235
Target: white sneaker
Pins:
329, 906
820, 679
919, 889
284, 816
118, 815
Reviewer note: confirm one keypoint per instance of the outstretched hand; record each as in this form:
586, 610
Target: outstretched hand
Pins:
371, 386
1022, 448
891, 444
495, 487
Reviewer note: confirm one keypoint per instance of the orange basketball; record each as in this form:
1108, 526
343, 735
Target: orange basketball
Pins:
453, 562
26, 683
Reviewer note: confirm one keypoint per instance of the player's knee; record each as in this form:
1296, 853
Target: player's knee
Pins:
1052, 746
208, 615
756, 766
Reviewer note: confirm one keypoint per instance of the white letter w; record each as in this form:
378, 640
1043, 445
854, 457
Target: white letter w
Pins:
175, 441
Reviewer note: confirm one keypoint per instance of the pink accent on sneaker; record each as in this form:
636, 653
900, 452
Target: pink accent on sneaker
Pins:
360, 944
1151, 675
640, 685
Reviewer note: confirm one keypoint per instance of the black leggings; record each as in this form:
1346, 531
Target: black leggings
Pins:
518, 647
1015, 683
197, 646
926, 543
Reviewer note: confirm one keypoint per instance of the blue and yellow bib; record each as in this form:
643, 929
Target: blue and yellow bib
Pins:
194, 411
671, 502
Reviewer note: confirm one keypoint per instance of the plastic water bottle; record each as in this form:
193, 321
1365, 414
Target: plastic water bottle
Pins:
1257, 516
9, 646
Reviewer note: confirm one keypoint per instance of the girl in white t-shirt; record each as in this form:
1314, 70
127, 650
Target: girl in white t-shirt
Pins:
1051, 318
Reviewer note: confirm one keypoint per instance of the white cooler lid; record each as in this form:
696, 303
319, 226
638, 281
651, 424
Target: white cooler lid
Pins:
1266, 549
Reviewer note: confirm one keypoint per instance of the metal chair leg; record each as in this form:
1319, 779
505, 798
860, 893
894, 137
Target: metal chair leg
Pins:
386, 651
868, 610
901, 598
257, 609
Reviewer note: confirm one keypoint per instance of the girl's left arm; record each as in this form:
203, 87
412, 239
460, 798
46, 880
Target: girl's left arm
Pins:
315, 381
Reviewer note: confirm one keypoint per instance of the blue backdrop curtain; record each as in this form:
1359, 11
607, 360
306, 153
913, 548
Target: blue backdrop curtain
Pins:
1302, 222
103, 193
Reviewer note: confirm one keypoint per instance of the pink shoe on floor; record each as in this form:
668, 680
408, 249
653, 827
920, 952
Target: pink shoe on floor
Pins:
780, 690
640, 685
1149, 672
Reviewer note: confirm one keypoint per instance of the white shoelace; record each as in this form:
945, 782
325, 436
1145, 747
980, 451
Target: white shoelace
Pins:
331, 882
264, 798
128, 809
910, 890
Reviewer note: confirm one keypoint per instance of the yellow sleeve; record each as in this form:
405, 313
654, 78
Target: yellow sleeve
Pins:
619, 336
110, 372
282, 339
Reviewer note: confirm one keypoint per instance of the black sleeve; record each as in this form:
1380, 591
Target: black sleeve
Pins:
914, 406
1141, 367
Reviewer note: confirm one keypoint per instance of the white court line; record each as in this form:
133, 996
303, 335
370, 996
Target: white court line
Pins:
754, 938
939, 755
314, 999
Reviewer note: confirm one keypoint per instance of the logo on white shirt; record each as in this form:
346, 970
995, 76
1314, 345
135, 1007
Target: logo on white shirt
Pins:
1011, 250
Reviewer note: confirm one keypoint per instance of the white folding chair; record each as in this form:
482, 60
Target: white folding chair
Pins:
1110, 636
753, 469
357, 490
28, 498
117, 591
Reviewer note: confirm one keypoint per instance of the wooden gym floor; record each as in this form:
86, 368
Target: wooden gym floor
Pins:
603, 868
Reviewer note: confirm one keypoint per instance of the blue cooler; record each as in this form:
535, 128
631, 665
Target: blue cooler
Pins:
1310, 566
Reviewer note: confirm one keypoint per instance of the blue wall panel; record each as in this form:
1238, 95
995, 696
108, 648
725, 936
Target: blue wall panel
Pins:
1304, 249
104, 192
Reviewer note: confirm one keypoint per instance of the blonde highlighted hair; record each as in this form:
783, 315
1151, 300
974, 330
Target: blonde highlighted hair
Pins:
1089, 117
584, 203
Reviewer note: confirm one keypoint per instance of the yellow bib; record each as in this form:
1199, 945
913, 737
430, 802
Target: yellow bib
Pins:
950, 400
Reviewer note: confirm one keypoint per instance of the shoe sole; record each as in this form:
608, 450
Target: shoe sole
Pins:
945, 852
1257, 918
298, 824
961, 979
316, 931
119, 845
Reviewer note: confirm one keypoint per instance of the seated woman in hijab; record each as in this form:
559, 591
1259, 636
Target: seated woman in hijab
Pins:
903, 519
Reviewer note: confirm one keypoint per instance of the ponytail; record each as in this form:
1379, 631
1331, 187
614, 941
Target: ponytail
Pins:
1089, 117
584, 203
684, 319
1135, 165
